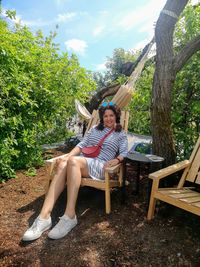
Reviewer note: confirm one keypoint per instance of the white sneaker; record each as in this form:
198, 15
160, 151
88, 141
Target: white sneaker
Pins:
37, 228
63, 227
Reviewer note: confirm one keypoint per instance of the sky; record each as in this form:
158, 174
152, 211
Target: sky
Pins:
91, 29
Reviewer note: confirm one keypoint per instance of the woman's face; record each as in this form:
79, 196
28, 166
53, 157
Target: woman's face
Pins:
109, 118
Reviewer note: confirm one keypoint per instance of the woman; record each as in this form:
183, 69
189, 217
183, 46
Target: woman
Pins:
75, 166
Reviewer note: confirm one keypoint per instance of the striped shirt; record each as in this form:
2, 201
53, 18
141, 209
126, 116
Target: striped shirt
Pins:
115, 144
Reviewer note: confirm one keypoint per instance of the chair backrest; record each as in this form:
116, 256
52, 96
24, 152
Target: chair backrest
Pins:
193, 174
95, 120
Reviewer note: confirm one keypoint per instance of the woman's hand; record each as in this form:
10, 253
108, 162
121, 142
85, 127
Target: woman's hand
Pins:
111, 163
60, 161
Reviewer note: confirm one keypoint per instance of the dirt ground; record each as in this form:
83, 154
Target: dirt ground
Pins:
123, 238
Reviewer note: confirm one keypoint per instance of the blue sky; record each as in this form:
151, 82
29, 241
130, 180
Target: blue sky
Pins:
91, 29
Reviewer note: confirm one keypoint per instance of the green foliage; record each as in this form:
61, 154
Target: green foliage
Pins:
188, 25
186, 106
114, 67
11, 14
31, 172
186, 94
38, 88
139, 121
114, 64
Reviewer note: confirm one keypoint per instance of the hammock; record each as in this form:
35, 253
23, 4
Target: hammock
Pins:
82, 110
123, 96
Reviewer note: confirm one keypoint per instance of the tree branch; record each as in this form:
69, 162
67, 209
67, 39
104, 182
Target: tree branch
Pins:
100, 95
129, 67
187, 51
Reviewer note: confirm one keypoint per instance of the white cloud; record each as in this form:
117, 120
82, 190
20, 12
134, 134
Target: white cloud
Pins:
98, 30
145, 15
66, 16
76, 45
101, 67
131, 20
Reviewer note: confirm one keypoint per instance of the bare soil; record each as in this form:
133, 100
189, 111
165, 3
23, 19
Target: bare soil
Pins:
123, 238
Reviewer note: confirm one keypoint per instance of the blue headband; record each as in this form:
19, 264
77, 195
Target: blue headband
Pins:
105, 104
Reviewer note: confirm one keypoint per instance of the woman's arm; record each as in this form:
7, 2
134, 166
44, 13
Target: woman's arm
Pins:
75, 151
123, 146
123, 150
113, 162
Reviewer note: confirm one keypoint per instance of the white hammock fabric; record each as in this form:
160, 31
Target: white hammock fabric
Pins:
82, 111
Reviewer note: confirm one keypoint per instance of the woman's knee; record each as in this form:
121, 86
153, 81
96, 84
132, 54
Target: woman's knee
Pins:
72, 161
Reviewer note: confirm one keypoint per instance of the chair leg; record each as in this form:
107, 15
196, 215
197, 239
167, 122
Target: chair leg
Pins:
107, 200
151, 209
152, 203
107, 193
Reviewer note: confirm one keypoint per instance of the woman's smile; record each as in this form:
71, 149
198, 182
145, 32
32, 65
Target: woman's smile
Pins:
109, 118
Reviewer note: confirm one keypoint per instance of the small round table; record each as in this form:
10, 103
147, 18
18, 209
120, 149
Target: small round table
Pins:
155, 162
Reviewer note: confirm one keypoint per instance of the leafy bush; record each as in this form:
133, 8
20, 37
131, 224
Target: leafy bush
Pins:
38, 88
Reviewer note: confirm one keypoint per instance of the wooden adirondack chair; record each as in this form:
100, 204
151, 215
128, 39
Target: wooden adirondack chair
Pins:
109, 182
183, 197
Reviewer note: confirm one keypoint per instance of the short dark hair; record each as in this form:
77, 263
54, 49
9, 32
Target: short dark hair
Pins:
116, 110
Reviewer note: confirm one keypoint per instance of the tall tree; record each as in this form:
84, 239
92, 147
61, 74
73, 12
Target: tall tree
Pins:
167, 66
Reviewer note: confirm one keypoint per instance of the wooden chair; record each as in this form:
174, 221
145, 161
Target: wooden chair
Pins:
109, 181
181, 196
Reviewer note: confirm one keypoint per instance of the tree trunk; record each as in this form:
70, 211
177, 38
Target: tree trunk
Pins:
164, 77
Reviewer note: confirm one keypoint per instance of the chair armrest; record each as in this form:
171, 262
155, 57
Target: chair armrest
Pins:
50, 161
169, 170
113, 169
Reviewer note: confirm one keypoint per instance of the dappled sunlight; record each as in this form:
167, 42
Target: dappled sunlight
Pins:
91, 256
102, 229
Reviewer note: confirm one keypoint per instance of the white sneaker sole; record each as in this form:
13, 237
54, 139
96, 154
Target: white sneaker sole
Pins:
26, 238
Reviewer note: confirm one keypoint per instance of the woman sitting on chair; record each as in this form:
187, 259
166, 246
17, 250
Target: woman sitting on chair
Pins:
74, 166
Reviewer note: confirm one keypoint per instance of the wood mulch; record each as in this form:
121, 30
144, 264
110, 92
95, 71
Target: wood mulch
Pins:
123, 238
